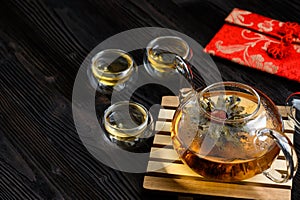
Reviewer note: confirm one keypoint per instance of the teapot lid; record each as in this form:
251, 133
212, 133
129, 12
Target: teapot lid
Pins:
229, 102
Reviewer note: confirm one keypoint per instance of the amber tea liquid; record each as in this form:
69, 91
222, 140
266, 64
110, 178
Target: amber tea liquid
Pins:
126, 122
225, 162
162, 58
111, 72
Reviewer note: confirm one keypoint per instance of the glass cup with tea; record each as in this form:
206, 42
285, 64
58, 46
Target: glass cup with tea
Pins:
161, 52
112, 69
128, 122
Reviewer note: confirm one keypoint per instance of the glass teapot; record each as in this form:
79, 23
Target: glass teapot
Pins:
230, 131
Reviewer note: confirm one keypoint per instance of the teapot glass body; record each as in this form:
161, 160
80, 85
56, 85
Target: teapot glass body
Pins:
231, 132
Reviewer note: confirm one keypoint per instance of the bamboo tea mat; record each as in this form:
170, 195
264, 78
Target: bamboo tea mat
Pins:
167, 173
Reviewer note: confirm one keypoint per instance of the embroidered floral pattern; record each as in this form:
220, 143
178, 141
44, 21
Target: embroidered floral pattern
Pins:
297, 48
238, 60
266, 26
237, 17
212, 52
246, 37
257, 60
270, 67
229, 49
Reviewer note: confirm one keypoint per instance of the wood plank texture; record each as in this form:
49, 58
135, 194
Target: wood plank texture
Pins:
186, 186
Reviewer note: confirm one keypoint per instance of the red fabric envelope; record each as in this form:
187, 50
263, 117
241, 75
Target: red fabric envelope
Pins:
245, 38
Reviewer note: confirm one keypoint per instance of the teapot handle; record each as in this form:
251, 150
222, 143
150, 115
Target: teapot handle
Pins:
293, 108
289, 153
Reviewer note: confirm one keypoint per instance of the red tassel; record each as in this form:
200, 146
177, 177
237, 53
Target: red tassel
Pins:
289, 28
288, 39
276, 51
289, 32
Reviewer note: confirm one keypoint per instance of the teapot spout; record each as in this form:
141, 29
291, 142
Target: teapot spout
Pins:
184, 69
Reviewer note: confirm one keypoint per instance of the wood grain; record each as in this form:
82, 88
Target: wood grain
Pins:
184, 186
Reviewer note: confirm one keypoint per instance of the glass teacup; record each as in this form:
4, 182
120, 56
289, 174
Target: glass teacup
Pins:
127, 121
112, 68
161, 53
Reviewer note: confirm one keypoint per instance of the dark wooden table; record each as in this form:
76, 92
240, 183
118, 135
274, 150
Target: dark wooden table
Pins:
42, 45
